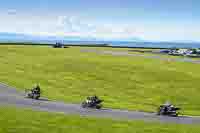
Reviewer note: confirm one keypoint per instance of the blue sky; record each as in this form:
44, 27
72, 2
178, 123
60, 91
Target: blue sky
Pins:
160, 20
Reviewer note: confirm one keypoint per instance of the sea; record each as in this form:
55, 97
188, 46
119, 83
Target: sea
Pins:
139, 44
118, 43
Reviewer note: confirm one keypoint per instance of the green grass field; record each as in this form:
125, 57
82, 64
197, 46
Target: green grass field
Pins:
133, 83
26, 121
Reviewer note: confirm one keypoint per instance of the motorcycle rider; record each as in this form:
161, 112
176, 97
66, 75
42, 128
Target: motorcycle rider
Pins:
168, 109
92, 99
36, 89
167, 106
88, 100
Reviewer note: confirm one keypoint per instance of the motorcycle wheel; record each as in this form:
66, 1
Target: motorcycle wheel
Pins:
98, 106
159, 111
29, 95
84, 105
176, 115
36, 96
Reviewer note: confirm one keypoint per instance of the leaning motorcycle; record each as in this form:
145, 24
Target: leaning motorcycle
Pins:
32, 95
168, 111
92, 104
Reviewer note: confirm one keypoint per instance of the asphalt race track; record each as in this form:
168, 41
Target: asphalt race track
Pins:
9, 96
126, 53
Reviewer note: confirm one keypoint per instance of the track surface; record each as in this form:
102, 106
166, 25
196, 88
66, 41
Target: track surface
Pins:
126, 53
9, 96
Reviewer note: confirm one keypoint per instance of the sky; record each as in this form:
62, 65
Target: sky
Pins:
156, 20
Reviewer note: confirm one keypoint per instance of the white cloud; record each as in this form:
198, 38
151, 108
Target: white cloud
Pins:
84, 27
81, 27
64, 26
11, 12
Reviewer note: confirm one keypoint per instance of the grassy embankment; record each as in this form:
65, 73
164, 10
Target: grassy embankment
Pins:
134, 83
21, 121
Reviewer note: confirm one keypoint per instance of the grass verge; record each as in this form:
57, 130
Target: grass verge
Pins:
134, 83
14, 120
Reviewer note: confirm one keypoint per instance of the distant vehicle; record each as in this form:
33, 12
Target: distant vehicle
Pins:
58, 45
168, 109
92, 102
33, 93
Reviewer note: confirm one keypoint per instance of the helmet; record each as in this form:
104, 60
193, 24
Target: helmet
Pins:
37, 85
167, 103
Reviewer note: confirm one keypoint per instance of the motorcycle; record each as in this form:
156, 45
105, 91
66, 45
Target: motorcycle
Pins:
31, 94
96, 103
168, 110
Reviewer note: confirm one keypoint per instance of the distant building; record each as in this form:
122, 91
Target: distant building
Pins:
182, 51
